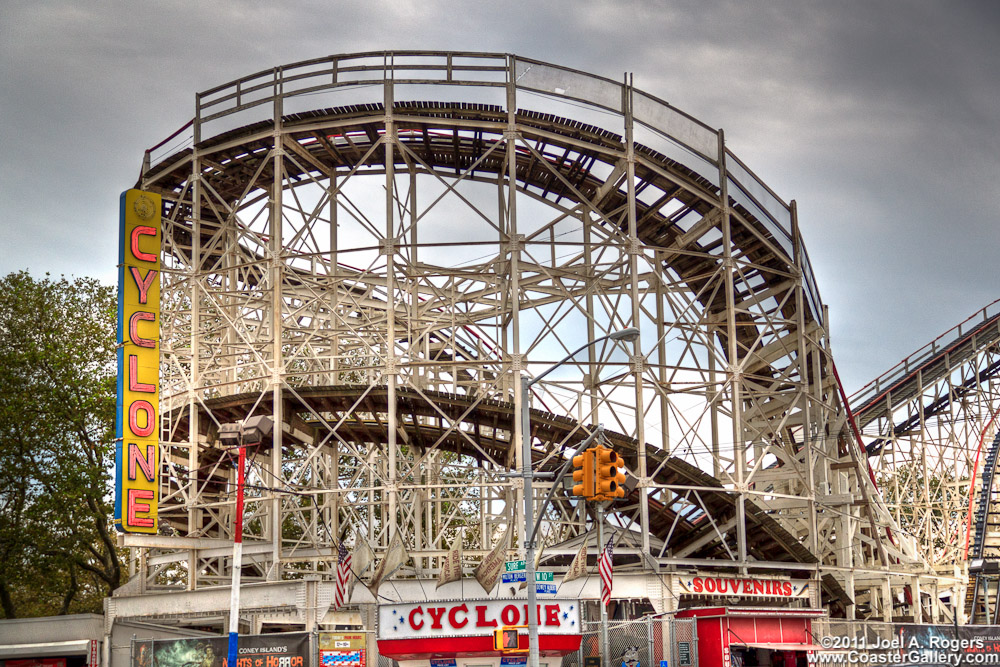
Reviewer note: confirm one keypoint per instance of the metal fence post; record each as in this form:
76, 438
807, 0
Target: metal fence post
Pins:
694, 641
649, 642
671, 641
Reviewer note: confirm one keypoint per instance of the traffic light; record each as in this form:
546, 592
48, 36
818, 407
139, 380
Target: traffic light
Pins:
583, 474
506, 639
608, 474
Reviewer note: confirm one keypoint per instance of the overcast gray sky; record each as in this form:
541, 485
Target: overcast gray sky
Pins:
880, 118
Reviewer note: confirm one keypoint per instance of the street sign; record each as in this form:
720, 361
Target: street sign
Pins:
543, 576
513, 566
545, 588
684, 653
511, 577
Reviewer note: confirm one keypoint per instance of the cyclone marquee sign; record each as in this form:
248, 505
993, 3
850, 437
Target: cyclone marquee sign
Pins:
137, 423
459, 618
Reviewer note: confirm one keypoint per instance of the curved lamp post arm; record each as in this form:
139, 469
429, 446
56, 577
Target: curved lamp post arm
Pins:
530, 526
597, 434
629, 334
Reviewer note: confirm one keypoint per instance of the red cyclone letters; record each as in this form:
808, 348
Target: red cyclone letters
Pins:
436, 614
413, 613
452, 616
481, 621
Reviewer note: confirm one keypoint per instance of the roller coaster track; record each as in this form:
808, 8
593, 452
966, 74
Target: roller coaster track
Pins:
985, 541
931, 420
634, 215
926, 366
362, 411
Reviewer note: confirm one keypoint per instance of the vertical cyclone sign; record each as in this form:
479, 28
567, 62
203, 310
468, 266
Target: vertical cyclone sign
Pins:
137, 422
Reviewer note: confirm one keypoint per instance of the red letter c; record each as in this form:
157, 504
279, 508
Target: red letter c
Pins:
453, 616
413, 622
134, 247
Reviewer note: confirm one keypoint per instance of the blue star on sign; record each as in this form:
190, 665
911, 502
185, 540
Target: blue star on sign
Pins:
565, 615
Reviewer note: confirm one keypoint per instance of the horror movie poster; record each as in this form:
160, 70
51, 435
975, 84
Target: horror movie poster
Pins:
275, 650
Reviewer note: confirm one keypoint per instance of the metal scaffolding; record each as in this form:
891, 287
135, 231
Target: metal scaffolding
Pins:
374, 248
930, 422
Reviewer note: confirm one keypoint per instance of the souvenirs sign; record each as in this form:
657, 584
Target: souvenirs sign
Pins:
743, 587
137, 422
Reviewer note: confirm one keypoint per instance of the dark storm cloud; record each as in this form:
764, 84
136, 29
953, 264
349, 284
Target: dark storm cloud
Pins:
879, 118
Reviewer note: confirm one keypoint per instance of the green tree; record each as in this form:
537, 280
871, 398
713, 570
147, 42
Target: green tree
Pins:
57, 404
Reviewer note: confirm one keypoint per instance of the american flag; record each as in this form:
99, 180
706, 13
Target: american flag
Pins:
343, 576
605, 568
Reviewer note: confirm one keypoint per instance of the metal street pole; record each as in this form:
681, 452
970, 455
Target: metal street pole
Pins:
529, 520
630, 334
234, 599
604, 610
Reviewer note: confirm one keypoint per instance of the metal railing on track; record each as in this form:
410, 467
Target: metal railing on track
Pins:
923, 358
660, 126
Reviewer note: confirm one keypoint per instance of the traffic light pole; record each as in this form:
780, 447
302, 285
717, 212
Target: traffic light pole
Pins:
604, 610
630, 334
598, 433
529, 520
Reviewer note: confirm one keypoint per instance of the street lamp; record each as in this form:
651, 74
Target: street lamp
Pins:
629, 335
251, 432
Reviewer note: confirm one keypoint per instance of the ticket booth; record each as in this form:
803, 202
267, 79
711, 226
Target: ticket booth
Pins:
460, 633
753, 636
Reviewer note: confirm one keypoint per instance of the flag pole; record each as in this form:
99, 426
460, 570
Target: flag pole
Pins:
604, 609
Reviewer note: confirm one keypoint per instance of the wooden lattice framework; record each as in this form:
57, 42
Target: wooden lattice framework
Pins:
374, 248
929, 423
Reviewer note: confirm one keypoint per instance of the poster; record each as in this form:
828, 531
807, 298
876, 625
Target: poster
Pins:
274, 650
342, 649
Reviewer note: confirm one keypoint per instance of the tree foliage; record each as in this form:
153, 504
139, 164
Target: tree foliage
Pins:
57, 404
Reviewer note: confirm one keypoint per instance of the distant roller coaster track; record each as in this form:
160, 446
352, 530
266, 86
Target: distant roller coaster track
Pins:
931, 423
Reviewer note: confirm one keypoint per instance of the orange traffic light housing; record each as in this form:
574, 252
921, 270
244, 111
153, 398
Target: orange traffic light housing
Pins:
609, 478
507, 640
583, 474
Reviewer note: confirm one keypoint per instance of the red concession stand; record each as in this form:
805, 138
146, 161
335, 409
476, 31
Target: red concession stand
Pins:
753, 636
459, 633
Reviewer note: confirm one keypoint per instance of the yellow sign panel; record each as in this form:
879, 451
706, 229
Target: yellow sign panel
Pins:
334, 641
137, 421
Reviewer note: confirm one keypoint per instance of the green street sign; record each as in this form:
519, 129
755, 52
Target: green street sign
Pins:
543, 576
513, 566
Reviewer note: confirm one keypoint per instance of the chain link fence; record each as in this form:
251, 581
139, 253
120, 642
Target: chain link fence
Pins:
650, 641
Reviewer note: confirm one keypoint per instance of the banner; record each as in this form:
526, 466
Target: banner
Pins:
451, 565
137, 420
290, 649
361, 562
394, 558
489, 570
578, 568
